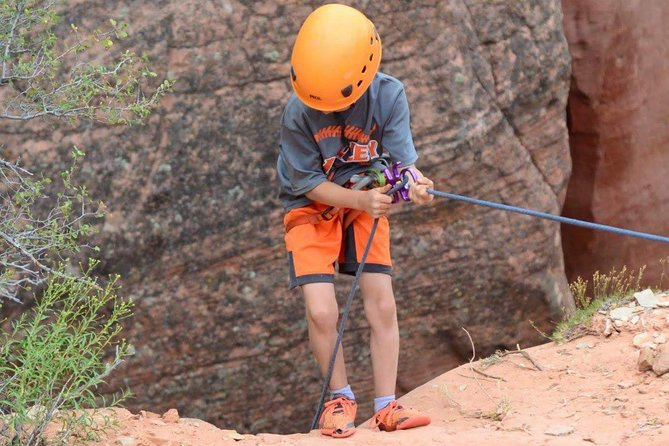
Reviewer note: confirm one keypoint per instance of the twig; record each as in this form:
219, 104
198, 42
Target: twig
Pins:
475, 377
474, 369
524, 354
471, 367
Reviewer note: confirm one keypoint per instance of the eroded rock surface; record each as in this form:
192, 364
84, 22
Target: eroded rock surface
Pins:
195, 224
619, 134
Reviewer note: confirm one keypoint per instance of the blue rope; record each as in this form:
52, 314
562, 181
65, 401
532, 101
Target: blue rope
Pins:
342, 325
553, 217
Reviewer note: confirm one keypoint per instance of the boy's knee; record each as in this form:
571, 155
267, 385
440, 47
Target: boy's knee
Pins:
381, 309
323, 317
386, 307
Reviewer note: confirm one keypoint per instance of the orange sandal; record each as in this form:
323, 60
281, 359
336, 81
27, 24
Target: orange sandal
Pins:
396, 417
338, 418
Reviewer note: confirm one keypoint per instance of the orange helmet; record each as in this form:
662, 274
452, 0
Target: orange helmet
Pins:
336, 55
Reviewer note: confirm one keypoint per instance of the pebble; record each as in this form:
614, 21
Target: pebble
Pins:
641, 339
584, 345
621, 314
560, 430
645, 361
660, 338
171, 416
126, 441
661, 363
646, 298
234, 435
626, 384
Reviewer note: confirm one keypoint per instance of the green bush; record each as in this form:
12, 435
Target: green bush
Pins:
51, 361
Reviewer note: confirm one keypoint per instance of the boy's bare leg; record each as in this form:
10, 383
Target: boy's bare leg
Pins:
322, 314
379, 301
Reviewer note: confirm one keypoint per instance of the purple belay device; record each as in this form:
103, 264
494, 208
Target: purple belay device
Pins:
395, 175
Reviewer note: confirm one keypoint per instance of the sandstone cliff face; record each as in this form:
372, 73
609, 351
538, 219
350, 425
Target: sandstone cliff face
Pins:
195, 224
619, 135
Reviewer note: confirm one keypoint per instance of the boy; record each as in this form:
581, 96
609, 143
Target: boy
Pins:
343, 116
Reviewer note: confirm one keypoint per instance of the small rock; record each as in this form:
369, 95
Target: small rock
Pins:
626, 384
560, 430
234, 435
158, 422
645, 361
171, 416
660, 338
608, 329
584, 345
646, 298
641, 339
621, 314
634, 320
661, 363
126, 441
463, 387
663, 301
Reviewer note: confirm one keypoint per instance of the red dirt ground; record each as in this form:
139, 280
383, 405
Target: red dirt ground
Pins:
588, 391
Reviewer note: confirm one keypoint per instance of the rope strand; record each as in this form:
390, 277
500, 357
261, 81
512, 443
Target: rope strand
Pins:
553, 217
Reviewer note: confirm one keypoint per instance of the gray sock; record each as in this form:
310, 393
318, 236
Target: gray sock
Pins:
344, 391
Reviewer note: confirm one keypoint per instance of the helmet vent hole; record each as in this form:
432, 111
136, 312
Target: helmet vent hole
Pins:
371, 40
346, 91
371, 56
364, 68
360, 82
292, 74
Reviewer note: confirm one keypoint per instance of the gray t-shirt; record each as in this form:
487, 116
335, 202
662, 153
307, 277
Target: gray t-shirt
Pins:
315, 147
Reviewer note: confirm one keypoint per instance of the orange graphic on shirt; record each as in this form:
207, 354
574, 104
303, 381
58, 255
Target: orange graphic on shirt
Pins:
354, 153
350, 132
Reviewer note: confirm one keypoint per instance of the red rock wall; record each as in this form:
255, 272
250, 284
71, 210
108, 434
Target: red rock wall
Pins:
195, 224
618, 115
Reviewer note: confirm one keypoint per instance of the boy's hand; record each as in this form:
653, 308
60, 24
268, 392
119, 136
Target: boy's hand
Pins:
418, 189
375, 201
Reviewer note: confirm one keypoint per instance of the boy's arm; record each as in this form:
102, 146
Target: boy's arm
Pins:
397, 138
373, 201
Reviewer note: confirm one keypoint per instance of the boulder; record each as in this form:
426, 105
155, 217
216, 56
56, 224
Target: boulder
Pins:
195, 226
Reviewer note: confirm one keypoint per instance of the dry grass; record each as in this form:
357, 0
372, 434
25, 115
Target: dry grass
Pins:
608, 290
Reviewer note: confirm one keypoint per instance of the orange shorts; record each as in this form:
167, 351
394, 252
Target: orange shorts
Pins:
315, 249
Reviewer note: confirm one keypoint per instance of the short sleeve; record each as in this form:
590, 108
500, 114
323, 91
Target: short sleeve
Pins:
299, 164
397, 139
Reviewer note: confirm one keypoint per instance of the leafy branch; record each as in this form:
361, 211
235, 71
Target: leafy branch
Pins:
53, 78
32, 243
